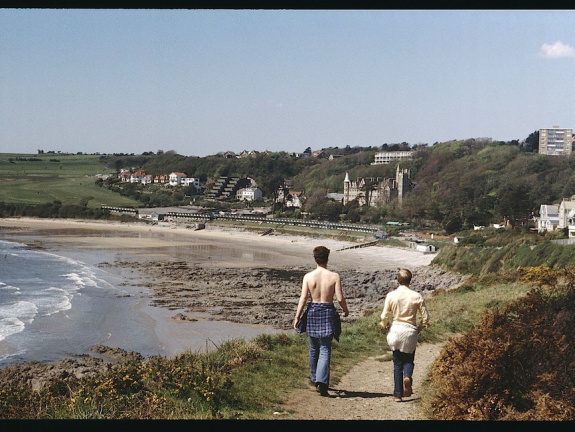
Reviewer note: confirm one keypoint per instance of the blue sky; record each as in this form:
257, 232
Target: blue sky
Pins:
205, 81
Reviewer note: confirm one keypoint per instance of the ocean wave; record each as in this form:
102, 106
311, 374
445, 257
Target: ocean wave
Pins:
57, 300
14, 317
76, 278
10, 326
5, 287
86, 277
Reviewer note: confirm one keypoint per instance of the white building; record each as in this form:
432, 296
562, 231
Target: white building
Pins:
387, 157
192, 181
548, 218
566, 212
177, 178
137, 177
249, 194
293, 200
147, 179
555, 141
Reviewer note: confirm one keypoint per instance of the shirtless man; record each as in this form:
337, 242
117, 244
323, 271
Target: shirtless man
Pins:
323, 322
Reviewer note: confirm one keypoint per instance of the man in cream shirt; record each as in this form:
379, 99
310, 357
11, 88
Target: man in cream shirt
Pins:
403, 304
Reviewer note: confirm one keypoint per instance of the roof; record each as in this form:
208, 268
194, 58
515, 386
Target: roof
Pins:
568, 204
550, 209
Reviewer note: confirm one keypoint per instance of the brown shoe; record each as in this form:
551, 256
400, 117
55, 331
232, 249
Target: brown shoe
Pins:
397, 399
407, 387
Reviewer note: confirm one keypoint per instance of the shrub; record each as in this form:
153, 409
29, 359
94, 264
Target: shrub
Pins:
517, 364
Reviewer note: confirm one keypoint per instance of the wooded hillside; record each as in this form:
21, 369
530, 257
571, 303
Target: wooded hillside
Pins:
458, 184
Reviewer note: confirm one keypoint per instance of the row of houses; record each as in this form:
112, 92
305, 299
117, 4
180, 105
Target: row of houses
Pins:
254, 153
557, 216
244, 154
172, 179
241, 189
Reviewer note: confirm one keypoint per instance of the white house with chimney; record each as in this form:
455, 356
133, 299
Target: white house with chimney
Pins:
548, 219
177, 178
249, 194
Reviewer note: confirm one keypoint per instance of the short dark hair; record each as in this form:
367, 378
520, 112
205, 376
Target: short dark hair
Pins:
404, 276
321, 254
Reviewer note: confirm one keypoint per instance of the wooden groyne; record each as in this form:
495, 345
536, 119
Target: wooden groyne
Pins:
359, 246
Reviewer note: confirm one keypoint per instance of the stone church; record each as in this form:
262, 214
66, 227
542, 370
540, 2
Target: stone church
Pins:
375, 191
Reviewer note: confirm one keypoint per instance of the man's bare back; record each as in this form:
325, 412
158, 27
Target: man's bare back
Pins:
322, 284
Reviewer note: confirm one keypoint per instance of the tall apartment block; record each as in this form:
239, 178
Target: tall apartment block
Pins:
555, 141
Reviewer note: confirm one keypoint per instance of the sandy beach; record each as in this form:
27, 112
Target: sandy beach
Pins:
147, 241
199, 288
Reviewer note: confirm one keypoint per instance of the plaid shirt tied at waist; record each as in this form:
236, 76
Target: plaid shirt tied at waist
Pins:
323, 320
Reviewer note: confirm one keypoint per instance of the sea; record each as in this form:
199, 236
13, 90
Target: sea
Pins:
54, 307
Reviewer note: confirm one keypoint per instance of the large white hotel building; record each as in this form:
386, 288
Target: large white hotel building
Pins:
386, 157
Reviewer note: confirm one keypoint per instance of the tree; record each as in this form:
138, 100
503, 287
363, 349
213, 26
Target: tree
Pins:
514, 203
367, 188
319, 206
532, 142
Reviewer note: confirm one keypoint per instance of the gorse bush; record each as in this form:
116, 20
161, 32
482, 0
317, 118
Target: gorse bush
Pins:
518, 363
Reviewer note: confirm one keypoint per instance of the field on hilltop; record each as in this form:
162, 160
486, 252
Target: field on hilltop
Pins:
40, 179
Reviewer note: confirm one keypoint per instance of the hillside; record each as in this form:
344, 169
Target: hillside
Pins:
45, 178
457, 184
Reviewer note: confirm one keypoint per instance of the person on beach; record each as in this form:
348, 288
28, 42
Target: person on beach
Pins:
404, 304
323, 321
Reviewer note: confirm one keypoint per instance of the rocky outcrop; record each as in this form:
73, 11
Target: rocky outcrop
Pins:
269, 295
36, 375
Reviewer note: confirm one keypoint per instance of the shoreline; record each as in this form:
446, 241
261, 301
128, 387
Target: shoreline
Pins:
140, 239
215, 283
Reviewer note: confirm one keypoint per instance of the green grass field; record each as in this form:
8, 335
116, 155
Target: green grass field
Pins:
66, 178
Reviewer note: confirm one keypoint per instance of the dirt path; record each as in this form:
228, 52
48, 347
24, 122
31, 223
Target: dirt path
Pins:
364, 393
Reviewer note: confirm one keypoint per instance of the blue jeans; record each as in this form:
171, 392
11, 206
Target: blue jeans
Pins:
319, 358
403, 364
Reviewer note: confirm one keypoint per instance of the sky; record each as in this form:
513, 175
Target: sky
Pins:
200, 82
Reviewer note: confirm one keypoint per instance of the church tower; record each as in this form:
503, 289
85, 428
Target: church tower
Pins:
403, 181
346, 186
